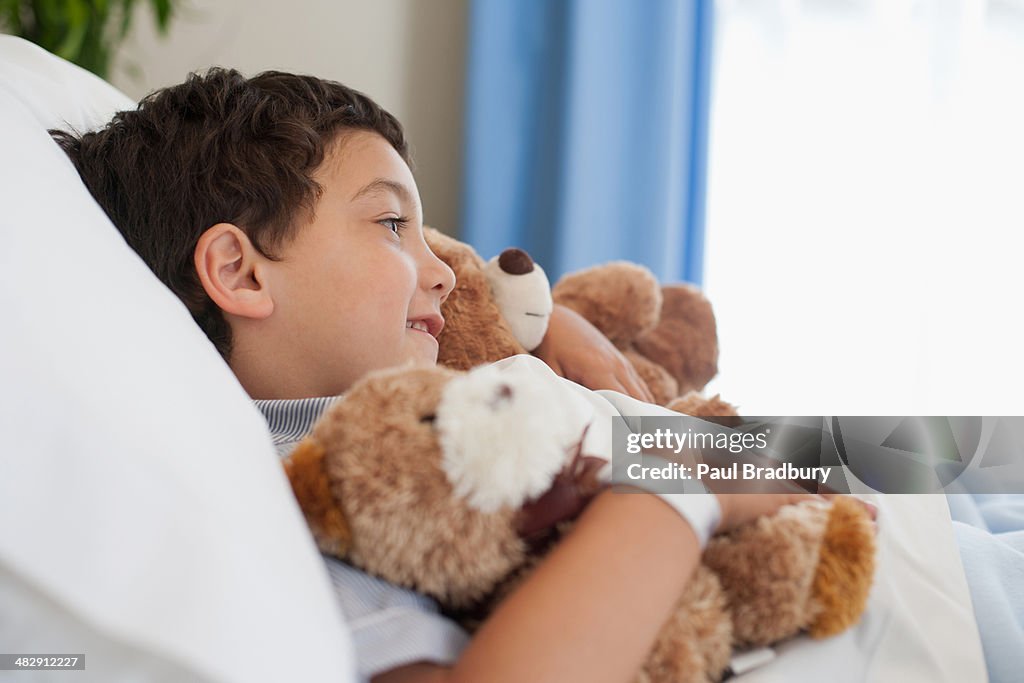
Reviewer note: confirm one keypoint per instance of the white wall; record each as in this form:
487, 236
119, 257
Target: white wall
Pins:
406, 54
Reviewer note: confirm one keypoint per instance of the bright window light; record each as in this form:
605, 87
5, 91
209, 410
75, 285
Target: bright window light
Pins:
865, 231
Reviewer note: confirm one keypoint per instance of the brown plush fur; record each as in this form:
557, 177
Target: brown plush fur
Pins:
695, 643
663, 386
685, 341
846, 564
767, 581
667, 333
383, 463
475, 331
621, 299
305, 470
375, 458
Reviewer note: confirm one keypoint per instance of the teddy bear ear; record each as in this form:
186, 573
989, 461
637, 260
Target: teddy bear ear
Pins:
846, 567
308, 477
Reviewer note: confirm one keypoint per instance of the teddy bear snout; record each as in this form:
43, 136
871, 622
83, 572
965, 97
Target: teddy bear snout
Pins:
515, 261
522, 293
503, 438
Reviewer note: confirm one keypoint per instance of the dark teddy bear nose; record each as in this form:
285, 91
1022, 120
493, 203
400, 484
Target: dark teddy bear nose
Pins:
502, 394
515, 261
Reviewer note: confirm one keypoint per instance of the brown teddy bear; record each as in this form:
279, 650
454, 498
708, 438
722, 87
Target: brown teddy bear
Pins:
501, 307
438, 480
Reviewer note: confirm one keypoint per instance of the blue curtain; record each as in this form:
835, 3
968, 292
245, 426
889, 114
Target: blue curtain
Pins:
586, 132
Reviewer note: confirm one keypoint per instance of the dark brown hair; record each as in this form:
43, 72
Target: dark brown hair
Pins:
219, 147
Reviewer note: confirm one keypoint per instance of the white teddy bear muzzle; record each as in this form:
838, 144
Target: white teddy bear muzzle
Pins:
503, 438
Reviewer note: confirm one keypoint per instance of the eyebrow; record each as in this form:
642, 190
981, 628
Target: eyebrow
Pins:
384, 185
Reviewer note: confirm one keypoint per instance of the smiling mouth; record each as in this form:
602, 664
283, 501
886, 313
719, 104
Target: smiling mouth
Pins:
431, 324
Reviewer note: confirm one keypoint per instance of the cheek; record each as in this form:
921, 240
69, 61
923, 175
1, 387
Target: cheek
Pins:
383, 288
396, 276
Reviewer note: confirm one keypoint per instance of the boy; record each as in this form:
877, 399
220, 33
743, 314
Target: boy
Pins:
282, 211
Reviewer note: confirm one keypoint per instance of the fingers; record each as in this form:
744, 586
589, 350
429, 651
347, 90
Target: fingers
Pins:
624, 381
606, 370
624, 377
634, 386
615, 383
637, 386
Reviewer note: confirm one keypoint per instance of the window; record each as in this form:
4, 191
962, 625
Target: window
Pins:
865, 234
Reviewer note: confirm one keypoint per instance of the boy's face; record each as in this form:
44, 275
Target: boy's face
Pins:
358, 288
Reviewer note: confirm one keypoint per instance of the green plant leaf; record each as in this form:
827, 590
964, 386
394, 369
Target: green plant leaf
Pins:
127, 7
77, 24
86, 32
10, 16
163, 10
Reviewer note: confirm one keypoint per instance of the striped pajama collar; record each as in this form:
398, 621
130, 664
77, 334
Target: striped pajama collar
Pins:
291, 419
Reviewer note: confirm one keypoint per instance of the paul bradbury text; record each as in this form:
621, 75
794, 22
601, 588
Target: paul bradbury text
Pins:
736, 471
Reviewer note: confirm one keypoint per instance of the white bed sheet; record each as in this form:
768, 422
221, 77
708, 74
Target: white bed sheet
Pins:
919, 625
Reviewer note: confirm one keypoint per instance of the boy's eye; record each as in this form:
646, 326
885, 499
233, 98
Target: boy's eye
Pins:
396, 225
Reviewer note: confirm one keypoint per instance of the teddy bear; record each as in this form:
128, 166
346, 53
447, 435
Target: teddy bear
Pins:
501, 307
455, 484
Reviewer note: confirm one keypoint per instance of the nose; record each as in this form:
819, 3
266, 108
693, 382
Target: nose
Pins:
502, 394
438, 277
515, 262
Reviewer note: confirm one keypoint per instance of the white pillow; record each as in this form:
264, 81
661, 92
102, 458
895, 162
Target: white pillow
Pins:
143, 513
57, 93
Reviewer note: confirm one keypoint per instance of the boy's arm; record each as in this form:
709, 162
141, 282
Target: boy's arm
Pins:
593, 608
577, 350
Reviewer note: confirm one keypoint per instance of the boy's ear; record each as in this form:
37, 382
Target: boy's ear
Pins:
230, 269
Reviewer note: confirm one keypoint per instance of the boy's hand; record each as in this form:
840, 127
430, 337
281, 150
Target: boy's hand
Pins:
577, 350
